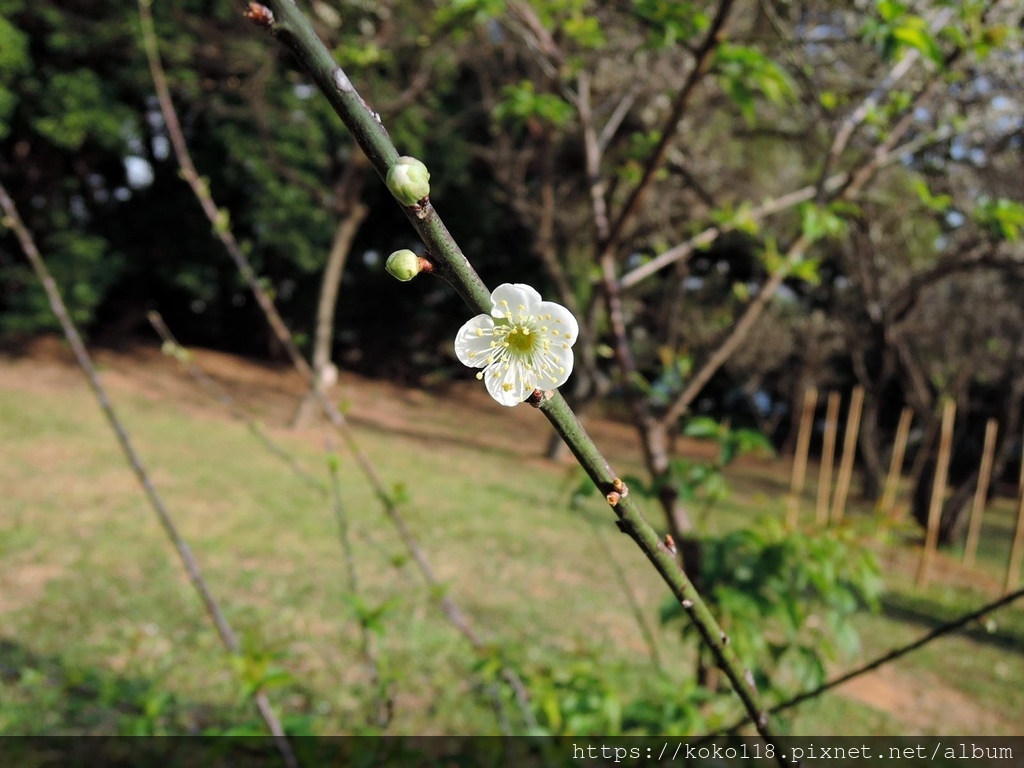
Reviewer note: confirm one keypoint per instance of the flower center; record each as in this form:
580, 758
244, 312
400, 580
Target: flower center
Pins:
520, 340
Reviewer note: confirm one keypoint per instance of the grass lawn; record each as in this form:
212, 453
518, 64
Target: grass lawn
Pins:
100, 631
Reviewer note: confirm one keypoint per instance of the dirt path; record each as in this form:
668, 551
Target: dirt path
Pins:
919, 702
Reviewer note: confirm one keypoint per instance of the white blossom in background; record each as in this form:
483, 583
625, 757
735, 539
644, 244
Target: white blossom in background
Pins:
523, 345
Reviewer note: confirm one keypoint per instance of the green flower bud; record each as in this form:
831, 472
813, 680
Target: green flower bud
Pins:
409, 180
404, 265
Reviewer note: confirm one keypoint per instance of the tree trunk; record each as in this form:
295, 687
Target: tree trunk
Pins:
322, 341
875, 470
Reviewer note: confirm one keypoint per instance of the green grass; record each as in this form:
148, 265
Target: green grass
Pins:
98, 624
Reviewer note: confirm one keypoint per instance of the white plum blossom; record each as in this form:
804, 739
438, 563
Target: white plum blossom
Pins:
523, 345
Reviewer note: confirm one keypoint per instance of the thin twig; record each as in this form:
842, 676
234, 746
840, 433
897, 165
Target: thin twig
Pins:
287, 340
703, 58
195, 574
186, 358
770, 207
885, 658
856, 180
857, 117
384, 692
627, 589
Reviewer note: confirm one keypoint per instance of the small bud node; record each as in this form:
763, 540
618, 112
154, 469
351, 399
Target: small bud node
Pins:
259, 14
613, 498
404, 265
409, 181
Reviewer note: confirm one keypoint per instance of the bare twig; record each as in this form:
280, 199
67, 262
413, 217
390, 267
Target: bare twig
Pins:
195, 574
857, 117
284, 336
703, 58
856, 180
627, 589
239, 413
772, 206
885, 658
383, 689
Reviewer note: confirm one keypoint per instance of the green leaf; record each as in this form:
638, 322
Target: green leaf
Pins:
78, 107
744, 72
913, 33
1004, 218
817, 222
937, 203
702, 428
521, 102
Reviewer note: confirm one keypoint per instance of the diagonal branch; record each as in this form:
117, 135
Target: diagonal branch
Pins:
292, 28
284, 336
195, 574
856, 180
772, 206
857, 117
218, 393
885, 658
704, 55
384, 692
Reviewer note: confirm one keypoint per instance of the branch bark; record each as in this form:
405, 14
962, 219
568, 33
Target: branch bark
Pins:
292, 28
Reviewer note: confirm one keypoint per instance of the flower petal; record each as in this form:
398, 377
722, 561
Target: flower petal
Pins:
513, 295
561, 320
508, 387
557, 364
473, 341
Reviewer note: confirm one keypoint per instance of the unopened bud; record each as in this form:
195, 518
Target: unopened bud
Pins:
404, 265
409, 181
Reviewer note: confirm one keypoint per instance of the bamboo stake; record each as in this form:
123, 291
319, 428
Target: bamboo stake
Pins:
803, 444
1017, 551
978, 509
828, 451
849, 454
899, 450
938, 491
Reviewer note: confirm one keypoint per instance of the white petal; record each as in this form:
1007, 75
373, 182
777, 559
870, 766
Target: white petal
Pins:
561, 320
508, 387
559, 366
474, 349
514, 295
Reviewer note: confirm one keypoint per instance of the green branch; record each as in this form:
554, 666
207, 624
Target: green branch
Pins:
292, 28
